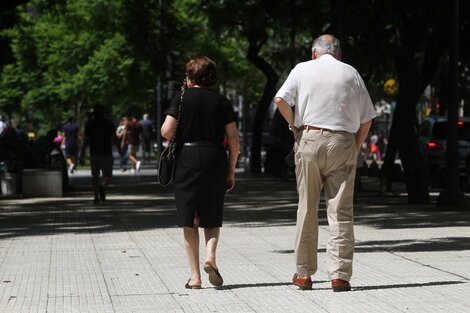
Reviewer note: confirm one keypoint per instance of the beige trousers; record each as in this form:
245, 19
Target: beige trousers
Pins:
325, 160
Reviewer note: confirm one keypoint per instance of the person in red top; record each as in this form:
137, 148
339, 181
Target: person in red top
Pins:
133, 136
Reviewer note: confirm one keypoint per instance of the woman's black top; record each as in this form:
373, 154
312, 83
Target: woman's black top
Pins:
204, 114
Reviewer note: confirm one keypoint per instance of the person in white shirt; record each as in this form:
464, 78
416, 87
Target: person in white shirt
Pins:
2, 125
332, 116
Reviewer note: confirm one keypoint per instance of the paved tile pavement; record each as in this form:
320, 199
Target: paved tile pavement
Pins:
126, 255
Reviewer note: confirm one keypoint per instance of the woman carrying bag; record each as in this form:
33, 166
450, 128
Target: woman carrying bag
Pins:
204, 172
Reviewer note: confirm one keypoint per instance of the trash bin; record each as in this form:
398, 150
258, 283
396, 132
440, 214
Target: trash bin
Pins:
8, 183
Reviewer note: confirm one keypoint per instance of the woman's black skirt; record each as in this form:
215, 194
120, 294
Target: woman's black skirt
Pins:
200, 184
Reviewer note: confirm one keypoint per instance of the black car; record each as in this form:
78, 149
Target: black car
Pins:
433, 144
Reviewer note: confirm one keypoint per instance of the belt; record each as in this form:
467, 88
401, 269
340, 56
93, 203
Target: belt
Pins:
203, 143
308, 127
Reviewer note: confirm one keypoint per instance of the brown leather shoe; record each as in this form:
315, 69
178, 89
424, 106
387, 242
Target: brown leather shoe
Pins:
304, 283
340, 285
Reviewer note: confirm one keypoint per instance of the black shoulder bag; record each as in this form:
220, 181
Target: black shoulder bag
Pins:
167, 162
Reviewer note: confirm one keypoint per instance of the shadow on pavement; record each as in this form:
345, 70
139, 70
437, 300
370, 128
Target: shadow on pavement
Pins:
379, 287
259, 285
418, 245
139, 203
421, 245
355, 288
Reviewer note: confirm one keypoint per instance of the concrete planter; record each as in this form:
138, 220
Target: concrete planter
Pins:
42, 183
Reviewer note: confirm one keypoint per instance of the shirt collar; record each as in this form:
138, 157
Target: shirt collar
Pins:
327, 55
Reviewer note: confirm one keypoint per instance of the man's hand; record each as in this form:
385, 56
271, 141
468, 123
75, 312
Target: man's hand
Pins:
230, 181
295, 131
361, 134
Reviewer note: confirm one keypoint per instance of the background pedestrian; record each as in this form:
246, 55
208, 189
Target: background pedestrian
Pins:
100, 136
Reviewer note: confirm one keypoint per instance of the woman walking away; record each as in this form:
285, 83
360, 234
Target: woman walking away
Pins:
204, 172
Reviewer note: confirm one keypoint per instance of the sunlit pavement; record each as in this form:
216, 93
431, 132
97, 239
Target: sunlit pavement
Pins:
126, 254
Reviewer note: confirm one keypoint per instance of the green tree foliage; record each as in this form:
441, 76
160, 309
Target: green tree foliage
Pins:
67, 56
195, 34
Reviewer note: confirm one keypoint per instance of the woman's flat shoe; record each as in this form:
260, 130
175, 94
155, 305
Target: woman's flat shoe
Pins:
214, 276
188, 286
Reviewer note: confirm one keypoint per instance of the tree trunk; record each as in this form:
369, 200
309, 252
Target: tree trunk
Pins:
264, 103
413, 80
415, 173
405, 124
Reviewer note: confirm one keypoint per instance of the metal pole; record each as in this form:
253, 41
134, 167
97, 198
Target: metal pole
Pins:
452, 195
158, 122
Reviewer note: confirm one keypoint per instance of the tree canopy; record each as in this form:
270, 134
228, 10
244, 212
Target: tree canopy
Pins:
70, 55
63, 56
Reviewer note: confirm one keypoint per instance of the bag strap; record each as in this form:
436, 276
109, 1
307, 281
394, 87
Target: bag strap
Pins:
173, 138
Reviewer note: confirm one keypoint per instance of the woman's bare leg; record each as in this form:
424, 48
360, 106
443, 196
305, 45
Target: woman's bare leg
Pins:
212, 239
191, 244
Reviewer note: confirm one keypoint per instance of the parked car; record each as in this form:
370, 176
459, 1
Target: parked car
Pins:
432, 138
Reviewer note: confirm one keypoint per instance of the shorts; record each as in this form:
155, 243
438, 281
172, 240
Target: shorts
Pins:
134, 148
101, 163
71, 150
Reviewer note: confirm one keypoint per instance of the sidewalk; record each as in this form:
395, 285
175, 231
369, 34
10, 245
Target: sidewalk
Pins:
126, 255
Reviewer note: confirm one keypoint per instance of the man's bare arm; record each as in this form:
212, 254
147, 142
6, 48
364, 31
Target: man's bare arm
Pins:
287, 113
361, 134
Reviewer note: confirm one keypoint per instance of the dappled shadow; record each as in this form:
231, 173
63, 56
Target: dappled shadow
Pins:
409, 245
126, 209
138, 202
396, 215
418, 245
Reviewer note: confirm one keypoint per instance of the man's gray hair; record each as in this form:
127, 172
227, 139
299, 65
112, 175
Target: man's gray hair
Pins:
324, 46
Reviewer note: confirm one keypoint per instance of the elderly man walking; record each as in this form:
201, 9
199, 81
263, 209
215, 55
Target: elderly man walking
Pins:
332, 116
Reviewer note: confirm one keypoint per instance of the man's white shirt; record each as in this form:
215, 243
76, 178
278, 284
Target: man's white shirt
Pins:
327, 93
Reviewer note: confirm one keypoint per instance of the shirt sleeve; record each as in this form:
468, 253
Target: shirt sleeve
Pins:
366, 107
289, 89
172, 110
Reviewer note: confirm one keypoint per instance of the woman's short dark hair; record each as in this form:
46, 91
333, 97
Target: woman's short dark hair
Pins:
202, 71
